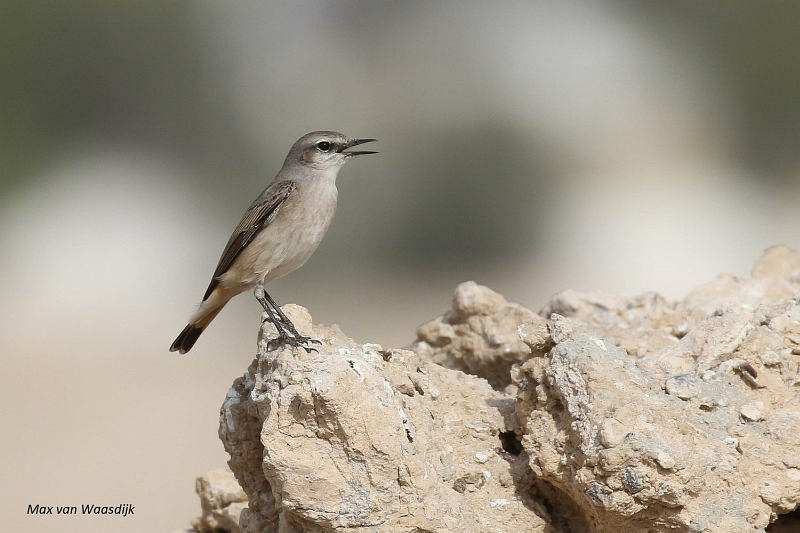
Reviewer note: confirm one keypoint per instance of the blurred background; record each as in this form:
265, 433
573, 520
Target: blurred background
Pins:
531, 146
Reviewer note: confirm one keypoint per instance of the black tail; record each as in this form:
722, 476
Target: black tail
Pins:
186, 339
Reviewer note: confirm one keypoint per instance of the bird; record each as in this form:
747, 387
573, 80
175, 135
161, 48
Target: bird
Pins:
277, 234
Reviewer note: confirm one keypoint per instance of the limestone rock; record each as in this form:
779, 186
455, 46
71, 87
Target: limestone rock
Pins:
605, 414
480, 335
642, 325
221, 500
696, 433
778, 262
355, 438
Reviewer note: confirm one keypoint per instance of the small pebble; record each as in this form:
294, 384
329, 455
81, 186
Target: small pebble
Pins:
752, 411
632, 481
480, 427
498, 503
684, 386
611, 433
665, 460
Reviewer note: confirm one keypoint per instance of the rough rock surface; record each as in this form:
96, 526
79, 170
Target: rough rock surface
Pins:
479, 335
355, 438
651, 415
604, 414
221, 501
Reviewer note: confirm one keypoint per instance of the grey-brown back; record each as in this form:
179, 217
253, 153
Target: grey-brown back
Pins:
257, 217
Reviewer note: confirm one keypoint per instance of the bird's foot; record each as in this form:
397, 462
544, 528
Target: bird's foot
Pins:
300, 341
289, 327
298, 337
303, 342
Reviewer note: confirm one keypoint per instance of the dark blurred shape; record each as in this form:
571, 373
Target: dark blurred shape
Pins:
786, 523
476, 192
79, 72
755, 48
511, 442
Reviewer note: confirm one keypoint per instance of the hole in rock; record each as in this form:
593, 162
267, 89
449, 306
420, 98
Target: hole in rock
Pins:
565, 515
510, 442
786, 523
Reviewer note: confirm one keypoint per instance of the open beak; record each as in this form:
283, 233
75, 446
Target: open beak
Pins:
356, 142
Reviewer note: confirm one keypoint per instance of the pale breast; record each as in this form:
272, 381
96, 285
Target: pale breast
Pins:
292, 237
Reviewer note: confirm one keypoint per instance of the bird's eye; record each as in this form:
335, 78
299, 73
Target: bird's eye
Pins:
323, 146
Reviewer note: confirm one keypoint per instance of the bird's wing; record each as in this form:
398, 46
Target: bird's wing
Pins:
257, 217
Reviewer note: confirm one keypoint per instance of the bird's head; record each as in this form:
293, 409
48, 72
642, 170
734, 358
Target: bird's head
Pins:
324, 150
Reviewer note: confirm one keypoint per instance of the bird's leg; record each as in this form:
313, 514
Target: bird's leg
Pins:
280, 321
260, 293
288, 323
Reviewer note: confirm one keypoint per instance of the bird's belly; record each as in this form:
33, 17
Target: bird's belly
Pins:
283, 246
293, 250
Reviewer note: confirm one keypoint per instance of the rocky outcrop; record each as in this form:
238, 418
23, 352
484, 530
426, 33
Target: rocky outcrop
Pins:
601, 413
658, 416
357, 438
221, 500
479, 335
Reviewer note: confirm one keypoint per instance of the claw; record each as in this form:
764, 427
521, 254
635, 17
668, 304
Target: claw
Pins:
296, 342
306, 340
302, 342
